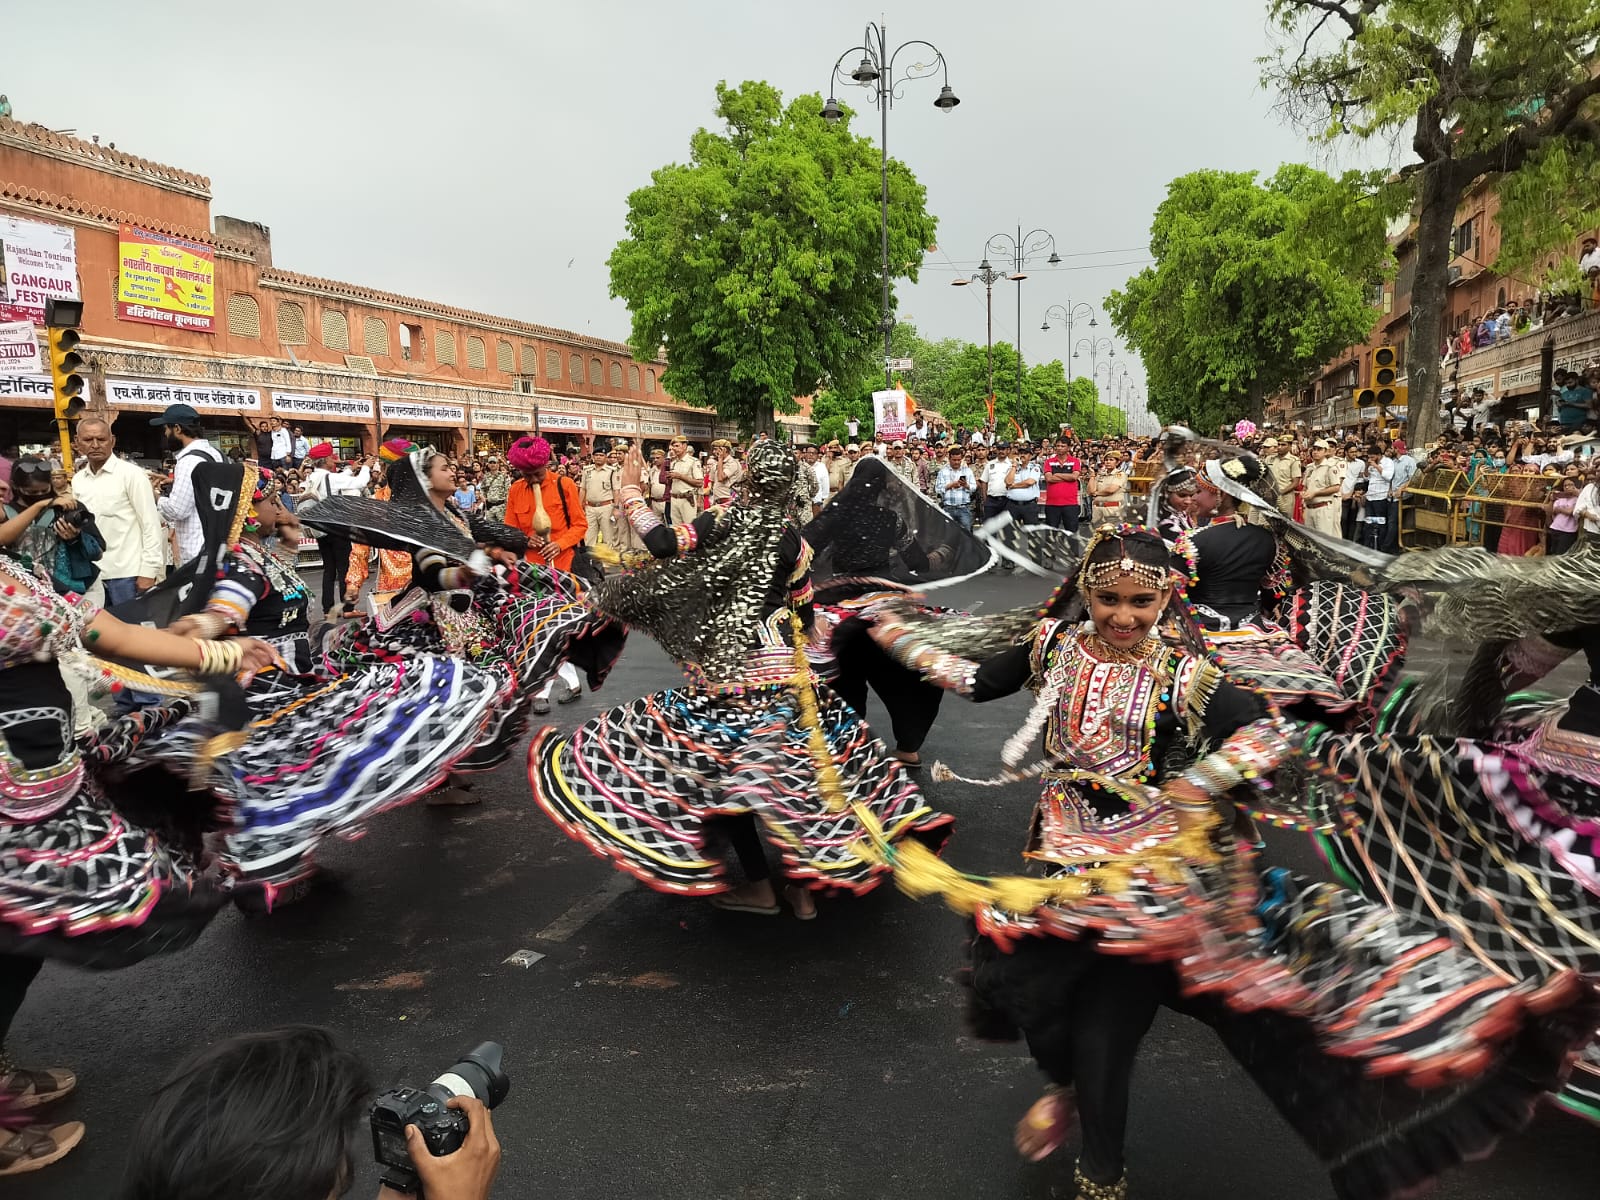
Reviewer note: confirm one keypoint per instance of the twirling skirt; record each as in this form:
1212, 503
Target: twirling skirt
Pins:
640, 783
322, 757
522, 632
1496, 842
1393, 1052
86, 883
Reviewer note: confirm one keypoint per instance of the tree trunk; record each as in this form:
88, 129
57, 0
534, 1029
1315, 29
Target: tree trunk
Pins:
1440, 194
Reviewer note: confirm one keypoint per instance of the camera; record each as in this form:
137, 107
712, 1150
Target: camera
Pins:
479, 1074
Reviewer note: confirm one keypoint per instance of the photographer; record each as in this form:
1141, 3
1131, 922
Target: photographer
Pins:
52, 535
280, 1116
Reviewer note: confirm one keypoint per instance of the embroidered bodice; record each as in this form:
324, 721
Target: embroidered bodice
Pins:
36, 624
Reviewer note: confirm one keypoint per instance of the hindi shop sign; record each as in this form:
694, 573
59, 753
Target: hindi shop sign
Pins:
38, 262
698, 431
658, 429
428, 414
164, 280
611, 425
514, 417
19, 348
131, 393
353, 408
563, 422
26, 387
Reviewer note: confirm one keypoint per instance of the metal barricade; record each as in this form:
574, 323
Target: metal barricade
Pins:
1506, 513
1430, 509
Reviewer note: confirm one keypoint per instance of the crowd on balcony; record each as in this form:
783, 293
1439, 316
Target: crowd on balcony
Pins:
1519, 315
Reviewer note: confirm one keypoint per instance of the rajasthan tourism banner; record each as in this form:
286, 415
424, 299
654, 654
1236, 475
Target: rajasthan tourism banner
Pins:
165, 280
890, 407
38, 262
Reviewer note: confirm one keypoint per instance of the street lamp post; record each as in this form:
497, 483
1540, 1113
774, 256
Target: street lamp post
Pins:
986, 275
876, 71
1094, 345
1024, 247
1067, 316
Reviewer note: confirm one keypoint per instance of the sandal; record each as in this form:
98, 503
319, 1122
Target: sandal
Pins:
909, 759
35, 1089
790, 893
728, 904
36, 1146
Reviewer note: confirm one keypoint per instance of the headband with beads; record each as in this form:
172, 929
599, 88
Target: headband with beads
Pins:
1093, 576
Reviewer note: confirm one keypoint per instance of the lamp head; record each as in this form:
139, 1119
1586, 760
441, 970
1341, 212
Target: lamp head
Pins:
1054, 258
866, 72
831, 112
947, 99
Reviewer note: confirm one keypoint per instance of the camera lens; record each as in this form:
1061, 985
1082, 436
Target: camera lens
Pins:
480, 1074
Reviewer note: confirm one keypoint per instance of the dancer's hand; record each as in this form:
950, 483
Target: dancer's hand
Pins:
632, 473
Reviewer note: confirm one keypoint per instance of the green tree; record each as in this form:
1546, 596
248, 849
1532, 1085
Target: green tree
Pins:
756, 264
833, 409
1483, 88
1254, 286
931, 362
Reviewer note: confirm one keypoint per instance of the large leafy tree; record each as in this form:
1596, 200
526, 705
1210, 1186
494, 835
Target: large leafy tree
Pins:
1481, 87
756, 263
1254, 286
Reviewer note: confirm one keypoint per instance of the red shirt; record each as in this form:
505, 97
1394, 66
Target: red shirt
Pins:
1059, 495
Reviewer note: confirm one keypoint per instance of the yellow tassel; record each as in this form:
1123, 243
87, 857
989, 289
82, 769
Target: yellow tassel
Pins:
920, 873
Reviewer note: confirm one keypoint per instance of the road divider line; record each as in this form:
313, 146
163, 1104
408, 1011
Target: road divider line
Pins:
585, 910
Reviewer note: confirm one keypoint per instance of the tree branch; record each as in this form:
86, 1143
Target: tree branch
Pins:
1519, 145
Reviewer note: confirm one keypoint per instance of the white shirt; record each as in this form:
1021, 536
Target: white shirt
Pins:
1588, 507
994, 477
343, 483
178, 509
1590, 261
977, 438
124, 507
282, 443
1379, 478
820, 470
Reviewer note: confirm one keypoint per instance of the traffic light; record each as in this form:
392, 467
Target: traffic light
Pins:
62, 338
1383, 391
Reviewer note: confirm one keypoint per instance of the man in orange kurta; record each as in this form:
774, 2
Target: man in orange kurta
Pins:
535, 505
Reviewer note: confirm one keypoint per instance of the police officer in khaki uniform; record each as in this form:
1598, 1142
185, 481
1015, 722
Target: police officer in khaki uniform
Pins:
598, 486
1322, 483
687, 481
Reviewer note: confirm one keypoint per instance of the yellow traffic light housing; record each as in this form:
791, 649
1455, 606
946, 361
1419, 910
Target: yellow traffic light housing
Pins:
62, 341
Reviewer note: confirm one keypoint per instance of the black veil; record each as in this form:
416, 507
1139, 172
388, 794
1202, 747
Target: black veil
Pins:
879, 526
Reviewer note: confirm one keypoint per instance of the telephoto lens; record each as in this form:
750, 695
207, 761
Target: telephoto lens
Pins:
480, 1074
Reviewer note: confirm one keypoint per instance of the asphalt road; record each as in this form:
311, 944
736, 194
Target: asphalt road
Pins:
662, 1048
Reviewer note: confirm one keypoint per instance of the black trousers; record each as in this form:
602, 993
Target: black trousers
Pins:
16, 976
747, 846
913, 704
335, 551
1063, 516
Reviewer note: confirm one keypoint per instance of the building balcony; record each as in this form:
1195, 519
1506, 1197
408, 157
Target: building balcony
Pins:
1511, 367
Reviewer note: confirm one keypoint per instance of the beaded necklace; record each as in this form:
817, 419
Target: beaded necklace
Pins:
1106, 718
283, 578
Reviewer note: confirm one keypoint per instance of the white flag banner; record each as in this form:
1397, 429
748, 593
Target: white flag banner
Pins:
890, 410
19, 348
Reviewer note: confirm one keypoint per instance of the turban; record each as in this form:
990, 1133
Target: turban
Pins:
395, 449
527, 453
322, 450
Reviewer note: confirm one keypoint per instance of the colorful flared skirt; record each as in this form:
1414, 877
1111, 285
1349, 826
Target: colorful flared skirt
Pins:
323, 757
1495, 841
643, 785
88, 884
1357, 637
1391, 1050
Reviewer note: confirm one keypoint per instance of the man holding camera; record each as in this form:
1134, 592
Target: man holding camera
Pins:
220, 1126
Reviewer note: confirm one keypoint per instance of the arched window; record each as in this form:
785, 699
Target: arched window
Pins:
616, 375
335, 330
505, 358
244, 316
444, 348
375, 337
1500, 302
291, 323
597, 375
575, 368
477, 354
650, 382
552, 364
633, 378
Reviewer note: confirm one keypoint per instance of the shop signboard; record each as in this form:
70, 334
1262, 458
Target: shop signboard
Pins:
134, 393
416, 413
513, 417
658, 429
165, 280
299, 404
697, 430
609, 424
25, 387
38, 262
563, 422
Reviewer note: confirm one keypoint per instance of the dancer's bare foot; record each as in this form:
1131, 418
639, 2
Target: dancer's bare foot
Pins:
802, 901
757, 898
1044, 1127
908, 758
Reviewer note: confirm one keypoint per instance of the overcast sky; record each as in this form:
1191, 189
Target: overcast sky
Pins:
481, 152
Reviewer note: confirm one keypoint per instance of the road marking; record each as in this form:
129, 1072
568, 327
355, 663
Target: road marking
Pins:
585, 910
